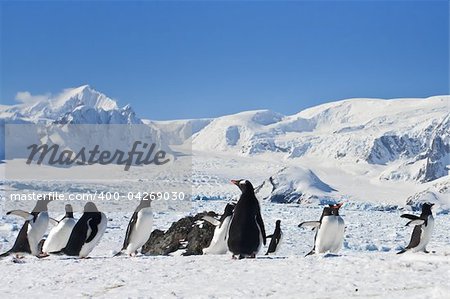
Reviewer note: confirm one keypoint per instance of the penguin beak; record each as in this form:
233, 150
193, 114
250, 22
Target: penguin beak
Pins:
339, 205
236, 182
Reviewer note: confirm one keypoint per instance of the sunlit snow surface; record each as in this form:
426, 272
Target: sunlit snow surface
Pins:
367, 266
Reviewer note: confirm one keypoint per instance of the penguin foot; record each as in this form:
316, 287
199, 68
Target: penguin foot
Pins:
42, 255
426, 251
18, 260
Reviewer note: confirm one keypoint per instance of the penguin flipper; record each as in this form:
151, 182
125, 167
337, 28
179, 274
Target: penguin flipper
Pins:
130, 228
312, 224
310, 253
211, 220
260, 222
409, 216
118, 253
53, 221
403, 251
416, 222
269, 236
25, 215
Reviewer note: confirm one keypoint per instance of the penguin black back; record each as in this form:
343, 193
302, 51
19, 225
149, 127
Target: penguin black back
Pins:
229, 209
247, 226
89, 221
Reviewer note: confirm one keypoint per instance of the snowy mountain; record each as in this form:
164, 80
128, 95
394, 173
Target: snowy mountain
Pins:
81, 105
78, 106
410, 136
398, 149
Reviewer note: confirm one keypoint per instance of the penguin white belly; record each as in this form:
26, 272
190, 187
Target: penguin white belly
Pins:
141, 231
59, 235
87, 247
326, 234
425, 236
36, 230
279, 243
218, 243
339, 237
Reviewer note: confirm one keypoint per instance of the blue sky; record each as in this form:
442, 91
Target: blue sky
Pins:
203, 59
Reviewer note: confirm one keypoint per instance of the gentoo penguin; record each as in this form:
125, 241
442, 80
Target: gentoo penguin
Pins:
33, 229
59, 235
247, 227
326, 229
87, 232
275, 238
218, 243
423, 229
139, 228
339, 236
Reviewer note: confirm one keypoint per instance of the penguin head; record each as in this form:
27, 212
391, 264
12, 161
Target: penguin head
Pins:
335, 208
244, 185
327, 211
278, 223
69, 211
426, 208
90, 207
146, 201
68, 208
41, 204
229, 208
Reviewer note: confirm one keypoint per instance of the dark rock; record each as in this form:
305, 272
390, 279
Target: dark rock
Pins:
190, 233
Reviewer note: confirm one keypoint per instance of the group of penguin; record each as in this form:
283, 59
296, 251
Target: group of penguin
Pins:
240, 230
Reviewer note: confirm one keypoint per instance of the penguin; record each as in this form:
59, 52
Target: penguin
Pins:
247, 230
139, 228
87, 232
59, 235
326, 229
218, 243
33, 229
423, 229
275, 238
339, 236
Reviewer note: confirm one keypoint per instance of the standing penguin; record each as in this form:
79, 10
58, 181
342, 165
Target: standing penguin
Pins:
33, 229
423, 229
275, 238
247, 227
218, 243
59, 235
87, 232
139, 228
326, 229
339, 236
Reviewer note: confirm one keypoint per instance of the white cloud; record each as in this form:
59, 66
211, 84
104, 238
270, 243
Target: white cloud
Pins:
27, 98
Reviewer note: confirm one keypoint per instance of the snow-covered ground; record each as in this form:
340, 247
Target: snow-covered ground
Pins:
366, 267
